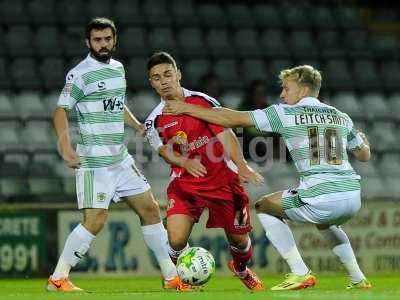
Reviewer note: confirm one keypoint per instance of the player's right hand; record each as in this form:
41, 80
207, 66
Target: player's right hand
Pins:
247, 174
174, 107
71, 158
194, 167
364, 137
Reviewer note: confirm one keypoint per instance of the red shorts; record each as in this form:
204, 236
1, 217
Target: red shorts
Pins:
231, 211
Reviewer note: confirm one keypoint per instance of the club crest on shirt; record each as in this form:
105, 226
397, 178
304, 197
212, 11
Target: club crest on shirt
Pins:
101, 197
171, 204
180, 138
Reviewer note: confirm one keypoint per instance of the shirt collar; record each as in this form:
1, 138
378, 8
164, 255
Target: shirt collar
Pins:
186, 93
95, 61
308, 101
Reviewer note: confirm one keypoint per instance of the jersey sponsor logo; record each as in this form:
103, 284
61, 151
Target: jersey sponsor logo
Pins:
171, 124
101, 85
199, 142
114, 104
101, 197
78, 255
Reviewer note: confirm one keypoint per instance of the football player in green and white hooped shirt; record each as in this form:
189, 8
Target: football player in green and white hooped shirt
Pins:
95, 89
317, 136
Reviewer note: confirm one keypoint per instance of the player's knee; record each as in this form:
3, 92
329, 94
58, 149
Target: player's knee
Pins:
95, 220
177, 242
150, 213
322, 226
152, 208
241, 243
95, 224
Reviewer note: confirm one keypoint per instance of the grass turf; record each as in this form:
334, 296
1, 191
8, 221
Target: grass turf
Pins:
330, 287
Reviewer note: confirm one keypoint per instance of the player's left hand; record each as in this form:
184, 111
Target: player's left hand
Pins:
174, 107
248, 175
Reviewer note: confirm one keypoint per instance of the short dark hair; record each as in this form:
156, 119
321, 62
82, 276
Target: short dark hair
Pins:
100, 24
160, 58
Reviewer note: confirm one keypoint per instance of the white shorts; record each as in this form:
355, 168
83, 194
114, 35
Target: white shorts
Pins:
95, 188
333, 208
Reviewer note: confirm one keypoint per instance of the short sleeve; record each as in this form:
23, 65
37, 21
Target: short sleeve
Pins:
72, 91
267, 119
152, 134
354, 139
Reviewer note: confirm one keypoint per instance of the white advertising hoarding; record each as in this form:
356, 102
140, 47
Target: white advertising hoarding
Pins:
119, 249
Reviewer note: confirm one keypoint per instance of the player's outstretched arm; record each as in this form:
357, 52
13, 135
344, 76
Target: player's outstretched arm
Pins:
61, 126
131, 121
363, 153
192, 165
218, 115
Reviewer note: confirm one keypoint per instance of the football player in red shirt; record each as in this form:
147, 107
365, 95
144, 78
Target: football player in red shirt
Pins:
202, 171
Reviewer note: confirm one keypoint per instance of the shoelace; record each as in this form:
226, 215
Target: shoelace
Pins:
184, 286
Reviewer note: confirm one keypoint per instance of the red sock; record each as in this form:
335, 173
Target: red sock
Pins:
241, 259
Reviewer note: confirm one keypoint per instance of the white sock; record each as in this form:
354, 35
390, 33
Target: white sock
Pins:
280, 235
341, 247
155, 237
76, 246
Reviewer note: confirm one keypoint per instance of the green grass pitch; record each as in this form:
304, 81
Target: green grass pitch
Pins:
329, 287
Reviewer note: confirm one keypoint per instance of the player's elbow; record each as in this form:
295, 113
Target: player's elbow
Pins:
59, 111
363, 154
162, 151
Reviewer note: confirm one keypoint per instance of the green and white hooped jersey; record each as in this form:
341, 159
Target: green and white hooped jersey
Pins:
317, 136
97, 93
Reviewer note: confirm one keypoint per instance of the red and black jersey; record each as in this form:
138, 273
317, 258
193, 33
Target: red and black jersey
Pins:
191, 137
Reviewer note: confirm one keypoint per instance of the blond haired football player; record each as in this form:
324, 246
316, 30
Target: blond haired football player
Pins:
318, 137
105, 171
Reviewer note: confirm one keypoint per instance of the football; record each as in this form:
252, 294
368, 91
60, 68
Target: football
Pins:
195, 266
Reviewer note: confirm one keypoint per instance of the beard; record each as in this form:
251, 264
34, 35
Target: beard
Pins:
103, 55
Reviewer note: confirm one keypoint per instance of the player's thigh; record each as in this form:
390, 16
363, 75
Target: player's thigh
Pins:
94, 188
145, 206
271, 204
94, 219
232, 215
130, 181
179, 227
338, 208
